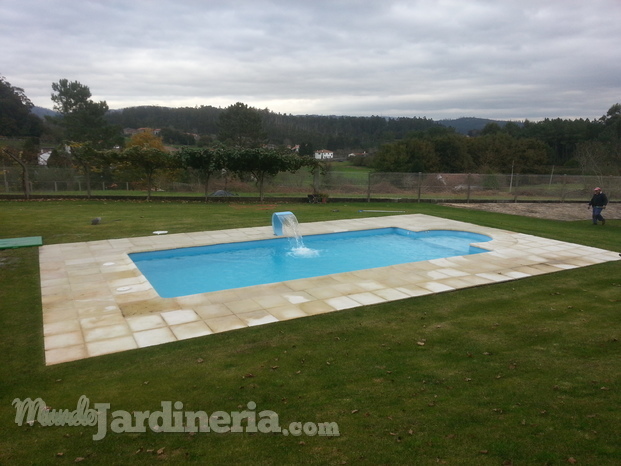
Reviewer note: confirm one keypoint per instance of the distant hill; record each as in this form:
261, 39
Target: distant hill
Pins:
465, 125
43, 112
325, 132
368, 130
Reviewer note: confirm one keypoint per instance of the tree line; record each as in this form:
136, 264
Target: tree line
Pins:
578, 144
83, 130
90, 143
322, 132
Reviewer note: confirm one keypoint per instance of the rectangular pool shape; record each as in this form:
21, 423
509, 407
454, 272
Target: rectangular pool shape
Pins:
202, 269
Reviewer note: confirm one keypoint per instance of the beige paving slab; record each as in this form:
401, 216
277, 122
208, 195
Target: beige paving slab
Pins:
102, 320
62, 326
436, 286
146, 306
392, 294
54, 282
324, 292
298, 297
111, 345
61, 340
412, 291
182, 316
210, 311
287, 312
191, 330
65, 354
257, 318
271, 301
96, 308
154, 336
367, 298
494, 277
224, 323
243, 305
95, 301
145, 322
342, 302
56, 292
317, 307
59, 315
106, 333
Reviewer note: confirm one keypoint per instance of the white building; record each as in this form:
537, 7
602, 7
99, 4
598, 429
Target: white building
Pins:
324, 154
44, 156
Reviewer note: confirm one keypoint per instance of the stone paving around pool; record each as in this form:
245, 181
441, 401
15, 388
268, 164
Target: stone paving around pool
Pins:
96, 301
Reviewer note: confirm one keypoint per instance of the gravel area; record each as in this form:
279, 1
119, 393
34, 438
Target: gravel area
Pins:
554, 211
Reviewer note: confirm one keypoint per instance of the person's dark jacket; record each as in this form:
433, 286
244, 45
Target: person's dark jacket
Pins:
598, 200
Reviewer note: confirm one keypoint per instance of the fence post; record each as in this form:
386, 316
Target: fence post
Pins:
468, 191
515, 193
369, 187
551, 176
420, 182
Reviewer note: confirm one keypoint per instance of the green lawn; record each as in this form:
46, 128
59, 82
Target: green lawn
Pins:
522, 372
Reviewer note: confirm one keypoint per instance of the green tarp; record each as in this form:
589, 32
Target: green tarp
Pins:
20, 242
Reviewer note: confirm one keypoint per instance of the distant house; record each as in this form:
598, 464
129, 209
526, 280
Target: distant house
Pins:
129, 131
324, 154
44, 157
357, 154
155, 132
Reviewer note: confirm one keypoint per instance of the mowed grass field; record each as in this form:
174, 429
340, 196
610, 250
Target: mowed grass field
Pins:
521, 372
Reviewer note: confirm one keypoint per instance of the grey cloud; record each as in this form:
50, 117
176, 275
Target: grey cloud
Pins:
514, 59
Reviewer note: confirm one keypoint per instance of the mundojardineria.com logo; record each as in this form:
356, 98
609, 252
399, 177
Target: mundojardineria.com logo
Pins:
169, 417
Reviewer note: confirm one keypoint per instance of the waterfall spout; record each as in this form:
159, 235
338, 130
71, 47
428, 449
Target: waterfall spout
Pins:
285, 224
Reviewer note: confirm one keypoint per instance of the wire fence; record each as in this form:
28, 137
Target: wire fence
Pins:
363, 185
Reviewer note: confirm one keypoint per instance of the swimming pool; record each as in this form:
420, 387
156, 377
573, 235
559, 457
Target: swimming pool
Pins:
96, 301
202, 269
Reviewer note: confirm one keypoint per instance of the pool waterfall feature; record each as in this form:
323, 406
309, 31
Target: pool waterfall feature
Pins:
285, 222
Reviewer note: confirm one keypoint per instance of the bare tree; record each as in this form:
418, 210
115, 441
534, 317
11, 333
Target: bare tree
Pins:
595, 159
19, 158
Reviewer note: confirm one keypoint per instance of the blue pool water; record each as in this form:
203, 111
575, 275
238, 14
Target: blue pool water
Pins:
186, 271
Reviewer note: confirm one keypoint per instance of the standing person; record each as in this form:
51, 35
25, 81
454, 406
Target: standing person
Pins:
598, 203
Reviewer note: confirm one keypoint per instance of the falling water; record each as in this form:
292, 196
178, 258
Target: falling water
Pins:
286, 224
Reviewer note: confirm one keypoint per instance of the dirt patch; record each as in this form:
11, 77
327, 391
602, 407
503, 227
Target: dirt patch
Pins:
553, 211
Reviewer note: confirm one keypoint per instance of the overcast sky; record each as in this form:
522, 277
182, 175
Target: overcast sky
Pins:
505, 59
